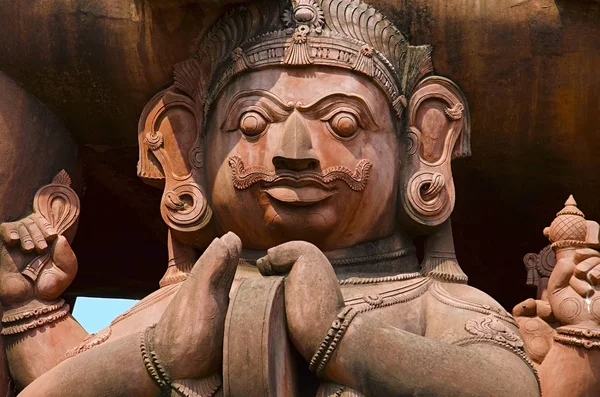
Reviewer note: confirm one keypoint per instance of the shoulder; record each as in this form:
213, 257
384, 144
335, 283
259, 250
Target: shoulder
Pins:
466, 297
458, 311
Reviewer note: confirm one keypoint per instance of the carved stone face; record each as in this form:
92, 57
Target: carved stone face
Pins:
307, 154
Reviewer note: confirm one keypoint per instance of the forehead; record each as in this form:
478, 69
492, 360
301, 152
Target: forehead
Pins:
306, 85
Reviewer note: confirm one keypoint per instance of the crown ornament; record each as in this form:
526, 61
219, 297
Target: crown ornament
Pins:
346, 34
571, 229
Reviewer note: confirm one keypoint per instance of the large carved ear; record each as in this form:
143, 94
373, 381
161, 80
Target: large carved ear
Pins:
168, 123
438, 131
171, 157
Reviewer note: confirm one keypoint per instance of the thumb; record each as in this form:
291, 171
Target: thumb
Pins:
561, 275
64, 258
218, 263
56, 277
14, 288
10, 261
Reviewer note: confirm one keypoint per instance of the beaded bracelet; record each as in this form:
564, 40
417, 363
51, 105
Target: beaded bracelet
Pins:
575, 341
151, 362
575, 331
206, 387
338, 329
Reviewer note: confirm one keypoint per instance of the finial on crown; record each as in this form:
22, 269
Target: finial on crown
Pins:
569, 228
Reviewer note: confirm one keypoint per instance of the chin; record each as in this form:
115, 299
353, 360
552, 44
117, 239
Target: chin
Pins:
311, 223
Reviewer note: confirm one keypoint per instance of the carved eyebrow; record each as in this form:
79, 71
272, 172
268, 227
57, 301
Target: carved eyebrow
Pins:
328, 106
270, 106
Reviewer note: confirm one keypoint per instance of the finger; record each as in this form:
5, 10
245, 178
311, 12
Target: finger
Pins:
48, 231
561, 275
582, 268
593, 276
526, 308
26, 241
544, 311
9, 233
36, 235
212, 266
280, 259
310, 287
585, 253
583, 288
234, 246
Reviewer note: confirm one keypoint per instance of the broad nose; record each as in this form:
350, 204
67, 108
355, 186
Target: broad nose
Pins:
295, 150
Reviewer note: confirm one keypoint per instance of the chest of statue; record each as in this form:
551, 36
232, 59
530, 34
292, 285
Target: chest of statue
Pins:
258, 354
400, 303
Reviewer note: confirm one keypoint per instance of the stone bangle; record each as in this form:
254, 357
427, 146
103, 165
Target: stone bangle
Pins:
206, 387
579, 341
14, 323
338, 329
576, 331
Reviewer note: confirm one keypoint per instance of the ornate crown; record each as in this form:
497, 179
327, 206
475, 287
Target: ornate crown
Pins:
341, 33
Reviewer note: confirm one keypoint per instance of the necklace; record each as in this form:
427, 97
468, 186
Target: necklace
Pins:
376, 280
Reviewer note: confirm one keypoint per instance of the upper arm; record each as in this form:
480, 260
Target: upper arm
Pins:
463, 316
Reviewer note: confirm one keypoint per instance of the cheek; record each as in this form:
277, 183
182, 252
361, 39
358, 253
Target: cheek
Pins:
220, 147
383, 151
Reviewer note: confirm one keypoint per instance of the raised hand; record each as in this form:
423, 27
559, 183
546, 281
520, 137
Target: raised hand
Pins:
35, 262
312, 293
189, 335
32, 232
36, 259
572, 288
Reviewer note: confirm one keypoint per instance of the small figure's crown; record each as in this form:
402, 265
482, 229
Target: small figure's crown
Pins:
569, 228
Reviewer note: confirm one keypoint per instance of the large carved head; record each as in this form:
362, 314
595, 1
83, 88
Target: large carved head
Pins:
308, 119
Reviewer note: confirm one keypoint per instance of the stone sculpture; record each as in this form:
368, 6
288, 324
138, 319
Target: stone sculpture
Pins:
561, 327
318, 142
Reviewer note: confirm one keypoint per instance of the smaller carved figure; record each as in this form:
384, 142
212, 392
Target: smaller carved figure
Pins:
562, 327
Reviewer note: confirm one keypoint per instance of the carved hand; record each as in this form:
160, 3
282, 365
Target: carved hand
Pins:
312, 293
571, 287
35, 262
189, 335
32, 232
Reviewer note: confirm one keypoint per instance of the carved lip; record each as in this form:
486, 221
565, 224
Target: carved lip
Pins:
299, 195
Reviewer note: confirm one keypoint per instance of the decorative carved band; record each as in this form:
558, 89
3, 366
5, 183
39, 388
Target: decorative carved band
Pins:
19, 316
35, 319
338, 329
580, 337
439, 293
585, 332
90, 342
378, 280
206, 387
373, 259
443, 266
401, 294
578, 342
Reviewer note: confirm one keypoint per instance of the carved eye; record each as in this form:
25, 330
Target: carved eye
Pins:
344, 124
252, 123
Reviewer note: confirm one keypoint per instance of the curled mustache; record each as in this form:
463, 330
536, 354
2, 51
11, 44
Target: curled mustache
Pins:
244, 177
